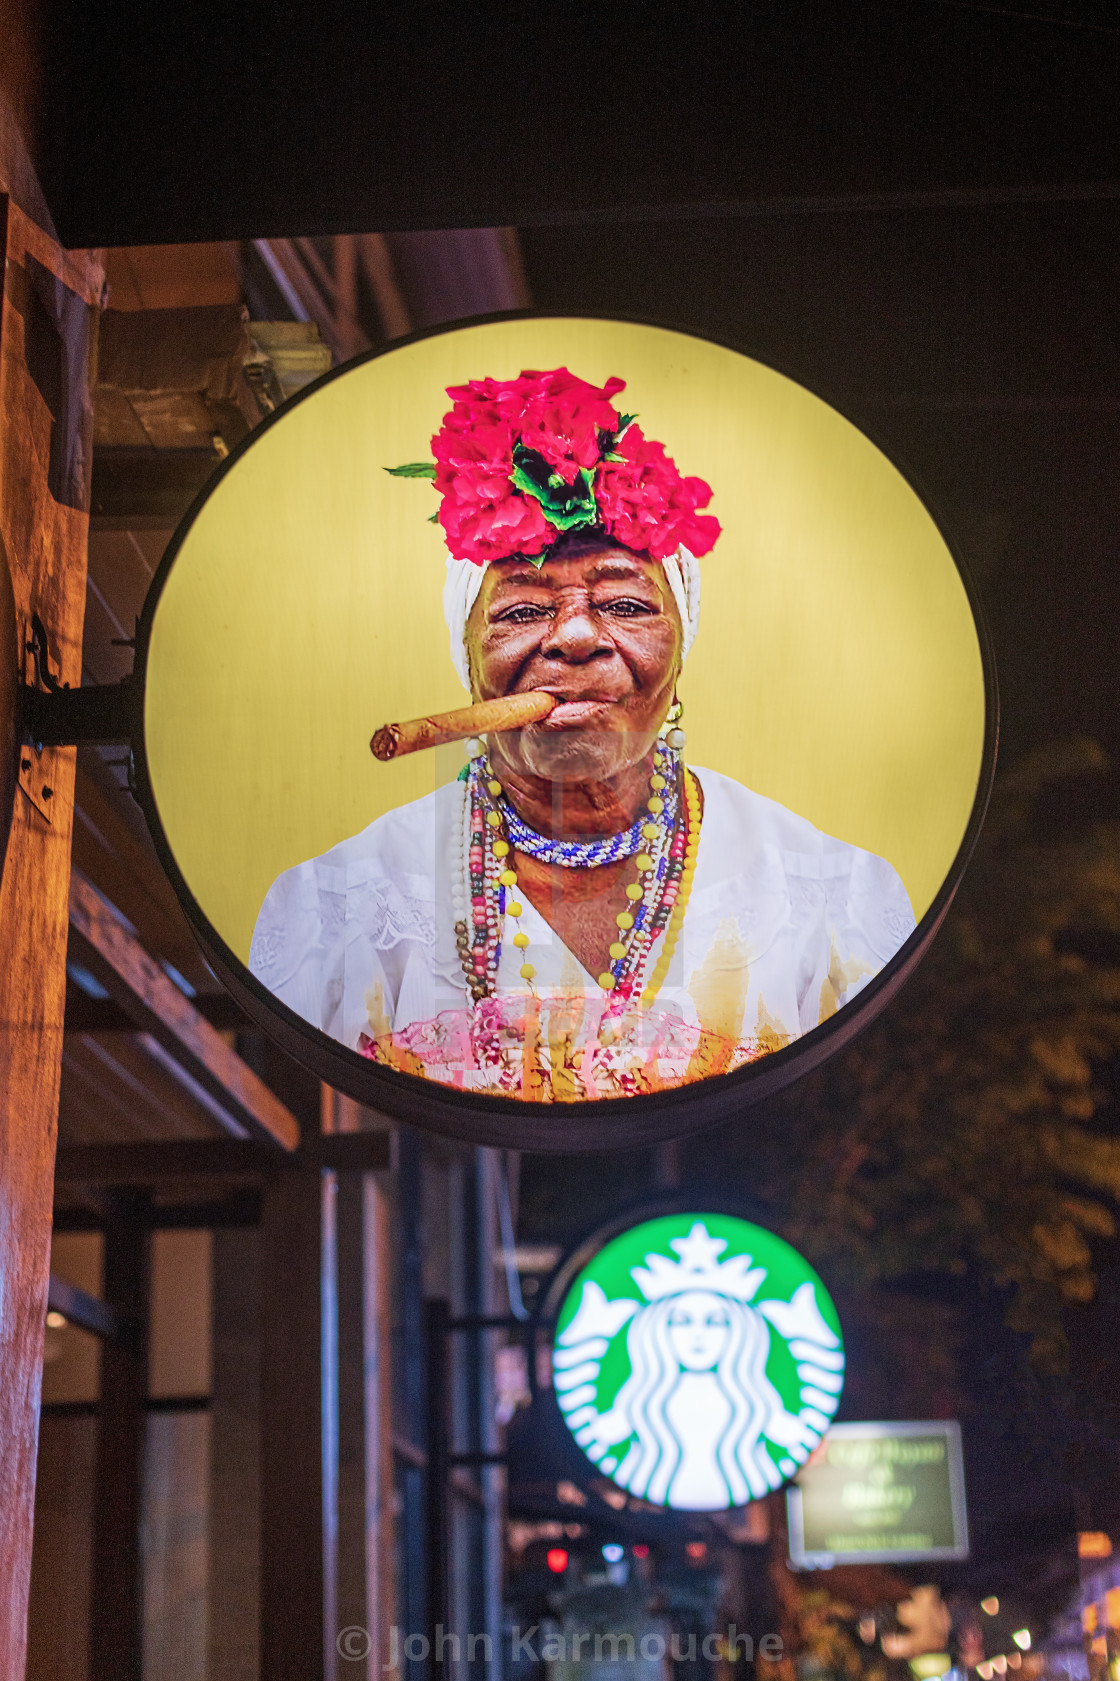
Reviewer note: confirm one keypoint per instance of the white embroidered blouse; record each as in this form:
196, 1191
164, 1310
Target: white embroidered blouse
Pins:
782, 927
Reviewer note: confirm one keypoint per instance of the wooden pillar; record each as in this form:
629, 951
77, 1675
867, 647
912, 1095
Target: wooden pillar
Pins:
342, 1115
366, 1559
381, 1557
411, 1422
493, 1298
437, 1330
116, 1587
47, 331
233, 1563
296, 1564
365, 1451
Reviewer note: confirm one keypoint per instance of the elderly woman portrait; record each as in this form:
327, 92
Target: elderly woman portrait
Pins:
582, 913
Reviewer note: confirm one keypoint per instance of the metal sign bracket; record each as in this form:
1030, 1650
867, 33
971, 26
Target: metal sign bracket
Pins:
54, 715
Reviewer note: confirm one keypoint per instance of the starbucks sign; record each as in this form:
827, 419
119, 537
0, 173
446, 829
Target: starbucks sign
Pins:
697, 1361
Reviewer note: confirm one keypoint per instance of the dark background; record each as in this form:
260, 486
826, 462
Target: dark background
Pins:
192, 121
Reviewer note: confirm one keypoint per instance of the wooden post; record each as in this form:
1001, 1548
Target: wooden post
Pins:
233, 1554
47, 332
116, 1590
493, 1298
365, 1468
295, 1589
412, 1422
366, 1560
437, 1330
378, 1332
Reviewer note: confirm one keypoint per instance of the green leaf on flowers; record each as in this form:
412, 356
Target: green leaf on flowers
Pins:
413, 470
609, 441
566, 506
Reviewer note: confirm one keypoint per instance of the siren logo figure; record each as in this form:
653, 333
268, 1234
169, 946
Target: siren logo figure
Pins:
713, 1397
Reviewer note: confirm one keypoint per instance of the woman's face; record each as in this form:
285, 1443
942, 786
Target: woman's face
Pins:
699, 1325
599, 629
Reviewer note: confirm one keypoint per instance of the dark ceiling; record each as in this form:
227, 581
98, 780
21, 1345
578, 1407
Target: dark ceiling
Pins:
197, 121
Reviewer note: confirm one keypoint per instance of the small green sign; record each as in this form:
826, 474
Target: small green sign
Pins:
697, 1361
880, 1493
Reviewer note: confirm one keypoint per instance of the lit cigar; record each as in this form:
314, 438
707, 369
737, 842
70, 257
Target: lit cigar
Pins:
485, 717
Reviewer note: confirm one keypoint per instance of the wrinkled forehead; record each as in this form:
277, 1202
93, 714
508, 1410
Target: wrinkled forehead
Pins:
581, 568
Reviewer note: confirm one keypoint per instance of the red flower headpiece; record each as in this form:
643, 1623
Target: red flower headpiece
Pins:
520, 462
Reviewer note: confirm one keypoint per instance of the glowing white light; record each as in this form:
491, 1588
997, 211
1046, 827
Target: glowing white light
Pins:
1022, 1639
689, 1411
613, 1553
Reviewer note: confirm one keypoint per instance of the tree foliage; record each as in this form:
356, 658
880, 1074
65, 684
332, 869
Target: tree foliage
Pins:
971, 1129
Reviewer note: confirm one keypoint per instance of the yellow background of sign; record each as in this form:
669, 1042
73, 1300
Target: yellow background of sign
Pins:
837, 667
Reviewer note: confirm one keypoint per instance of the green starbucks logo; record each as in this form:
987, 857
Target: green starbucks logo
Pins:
697, 1361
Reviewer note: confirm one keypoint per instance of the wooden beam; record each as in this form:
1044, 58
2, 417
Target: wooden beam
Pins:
120, 861
101, 1015
125, 1086
351, 1152
377, 261
79, 1308
153, 1163
152, 484
173, 378
236, 1210
136, 982
47, 321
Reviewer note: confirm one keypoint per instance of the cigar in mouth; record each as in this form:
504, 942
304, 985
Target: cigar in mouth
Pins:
485, 717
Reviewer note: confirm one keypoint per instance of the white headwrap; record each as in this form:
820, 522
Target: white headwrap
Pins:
464, 580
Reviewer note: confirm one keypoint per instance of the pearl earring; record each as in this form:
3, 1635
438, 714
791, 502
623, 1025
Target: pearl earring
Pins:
675, 736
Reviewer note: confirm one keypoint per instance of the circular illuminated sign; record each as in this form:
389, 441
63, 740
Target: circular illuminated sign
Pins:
697, 1361
738, 737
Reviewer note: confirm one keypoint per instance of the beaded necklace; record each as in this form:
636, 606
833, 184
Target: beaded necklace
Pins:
575, 855
662, 845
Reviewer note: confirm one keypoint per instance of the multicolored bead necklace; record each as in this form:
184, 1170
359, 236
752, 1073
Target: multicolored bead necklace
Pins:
662, 845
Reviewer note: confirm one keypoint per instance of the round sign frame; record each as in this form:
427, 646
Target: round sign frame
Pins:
492, 1120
